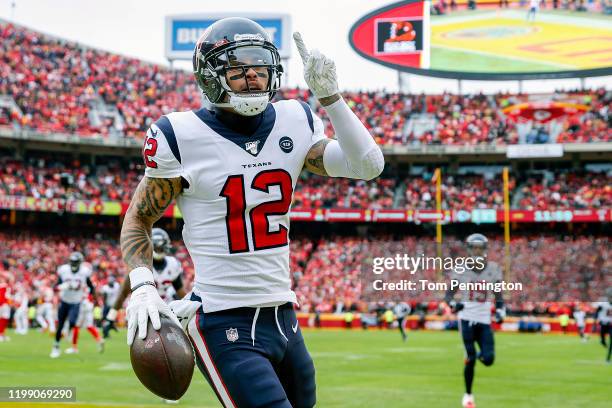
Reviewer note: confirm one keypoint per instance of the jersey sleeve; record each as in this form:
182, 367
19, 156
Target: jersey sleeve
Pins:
315, 123
160, 151
60, 274
318, 132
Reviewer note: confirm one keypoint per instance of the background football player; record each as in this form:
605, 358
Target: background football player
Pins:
604, 316
45, 314
85, 320
579, 316
474, 312
110, 294
401, 310
5, 308
71, 281
20, 300
232, 170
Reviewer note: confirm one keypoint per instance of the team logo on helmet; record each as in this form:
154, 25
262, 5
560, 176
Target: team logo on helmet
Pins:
257, 37
286, 144
232, 334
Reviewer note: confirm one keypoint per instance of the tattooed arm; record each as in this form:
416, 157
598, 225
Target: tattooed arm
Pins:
151, 198
314, 158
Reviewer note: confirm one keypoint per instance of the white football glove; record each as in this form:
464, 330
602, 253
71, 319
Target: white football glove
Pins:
145, 303
500, 315
185, 310
319, 71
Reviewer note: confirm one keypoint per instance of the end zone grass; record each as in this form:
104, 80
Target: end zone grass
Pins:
354, 369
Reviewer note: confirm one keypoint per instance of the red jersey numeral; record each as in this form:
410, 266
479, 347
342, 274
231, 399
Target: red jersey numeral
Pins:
233, 191
149, 150
263, 238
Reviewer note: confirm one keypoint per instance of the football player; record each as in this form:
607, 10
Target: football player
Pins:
110, 292
601, 317
85, 320
232, 170
401, 311
604, 316
5, 308
20, 301
474, 311
44, 312
72, 279
579, 318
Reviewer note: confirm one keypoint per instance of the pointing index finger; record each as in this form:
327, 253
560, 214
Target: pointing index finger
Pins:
299, 42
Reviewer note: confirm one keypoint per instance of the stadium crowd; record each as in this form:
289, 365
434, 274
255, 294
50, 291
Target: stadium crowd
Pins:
57, 84
335, 274
112, 181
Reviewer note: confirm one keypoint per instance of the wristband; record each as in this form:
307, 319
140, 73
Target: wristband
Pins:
144, 284
140, 275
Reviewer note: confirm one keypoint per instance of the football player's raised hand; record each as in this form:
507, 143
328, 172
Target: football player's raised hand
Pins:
319, 71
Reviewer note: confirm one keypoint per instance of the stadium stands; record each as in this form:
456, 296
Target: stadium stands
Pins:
56, 86
332, 273
50, 178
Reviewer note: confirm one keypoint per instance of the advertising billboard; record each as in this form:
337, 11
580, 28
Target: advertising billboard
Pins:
183, 31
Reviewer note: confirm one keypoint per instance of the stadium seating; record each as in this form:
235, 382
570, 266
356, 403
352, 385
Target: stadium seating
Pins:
333, 273
111, 181
57, 85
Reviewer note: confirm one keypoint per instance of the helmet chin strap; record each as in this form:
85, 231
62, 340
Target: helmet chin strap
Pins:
158, 256
246, 105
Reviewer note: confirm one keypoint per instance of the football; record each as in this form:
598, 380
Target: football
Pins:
164, 360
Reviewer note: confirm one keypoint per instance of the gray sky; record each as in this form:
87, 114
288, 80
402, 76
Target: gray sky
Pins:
136, 28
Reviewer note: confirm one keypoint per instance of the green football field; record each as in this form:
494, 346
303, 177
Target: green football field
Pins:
354, 369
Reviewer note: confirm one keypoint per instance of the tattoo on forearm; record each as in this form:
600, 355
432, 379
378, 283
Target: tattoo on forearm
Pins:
314, 158
150, 200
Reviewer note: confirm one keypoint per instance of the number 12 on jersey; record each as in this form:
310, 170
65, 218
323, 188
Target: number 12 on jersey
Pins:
235, 220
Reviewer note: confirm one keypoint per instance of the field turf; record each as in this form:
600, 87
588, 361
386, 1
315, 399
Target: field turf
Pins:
354, 369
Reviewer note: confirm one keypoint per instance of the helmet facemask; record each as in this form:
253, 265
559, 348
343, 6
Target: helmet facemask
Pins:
75, 260
161, 243
159, 247
233, 60
478, 250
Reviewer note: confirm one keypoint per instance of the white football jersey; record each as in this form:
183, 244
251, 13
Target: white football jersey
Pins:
605, 313
77, 282
236, 209
401, 310
579, 316
111, 292
477, 304
164, 277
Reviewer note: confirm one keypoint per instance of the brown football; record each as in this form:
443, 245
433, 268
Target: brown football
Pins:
164, 360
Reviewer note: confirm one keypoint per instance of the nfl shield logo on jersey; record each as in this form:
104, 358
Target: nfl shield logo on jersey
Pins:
232, 334
252, 146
